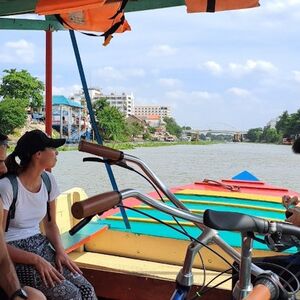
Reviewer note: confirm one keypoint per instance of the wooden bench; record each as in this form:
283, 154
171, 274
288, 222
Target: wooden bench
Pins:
123, 278
65, 221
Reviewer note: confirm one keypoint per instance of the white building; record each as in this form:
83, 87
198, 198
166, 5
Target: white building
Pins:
95, 94
150, 110
124, 102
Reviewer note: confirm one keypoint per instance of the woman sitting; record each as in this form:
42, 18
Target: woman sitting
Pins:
40, 260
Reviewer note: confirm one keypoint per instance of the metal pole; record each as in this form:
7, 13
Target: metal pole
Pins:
48, 102
93, 120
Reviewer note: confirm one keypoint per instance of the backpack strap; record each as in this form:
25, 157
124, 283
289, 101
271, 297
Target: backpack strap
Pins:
47, 182
14, 183
12, 209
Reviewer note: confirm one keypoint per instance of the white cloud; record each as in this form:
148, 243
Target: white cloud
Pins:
213, 67
252, 66
191, 97
296, 75
239, 92
67, 91
19, 51
135, 72
162, 50
169, 82
281, 5
110, 73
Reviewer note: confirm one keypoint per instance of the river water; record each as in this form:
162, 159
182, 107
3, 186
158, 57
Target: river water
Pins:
183, 164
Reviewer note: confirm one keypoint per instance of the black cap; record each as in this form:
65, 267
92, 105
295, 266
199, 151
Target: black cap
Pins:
296, 146
34, 141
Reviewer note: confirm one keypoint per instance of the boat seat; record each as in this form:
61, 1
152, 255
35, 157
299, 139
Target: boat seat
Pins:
66, 221
113, 276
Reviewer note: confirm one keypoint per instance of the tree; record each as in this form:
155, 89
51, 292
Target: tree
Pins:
172, 127
111, 123
12, 114
21, 85
100, 104
134, 129
270, 135
254, 134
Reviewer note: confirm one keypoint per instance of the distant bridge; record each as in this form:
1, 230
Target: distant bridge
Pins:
221, 131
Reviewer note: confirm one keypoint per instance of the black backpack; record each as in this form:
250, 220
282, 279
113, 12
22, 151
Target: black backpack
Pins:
12, 209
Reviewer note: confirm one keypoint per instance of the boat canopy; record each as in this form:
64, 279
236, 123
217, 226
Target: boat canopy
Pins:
100, 16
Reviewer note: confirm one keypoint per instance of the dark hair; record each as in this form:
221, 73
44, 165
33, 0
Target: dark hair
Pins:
3, 139
29, 143
13, 167
296, 146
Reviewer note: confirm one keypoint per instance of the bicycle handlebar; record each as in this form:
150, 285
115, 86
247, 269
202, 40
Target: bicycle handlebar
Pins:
96, 204
232, 221
100, 150
103, 202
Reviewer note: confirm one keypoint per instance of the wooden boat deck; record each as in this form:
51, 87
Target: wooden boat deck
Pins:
123, 278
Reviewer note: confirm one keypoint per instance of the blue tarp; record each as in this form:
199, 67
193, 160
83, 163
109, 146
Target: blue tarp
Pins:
62, 100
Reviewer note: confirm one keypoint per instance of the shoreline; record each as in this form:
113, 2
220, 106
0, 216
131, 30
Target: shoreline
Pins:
133, 145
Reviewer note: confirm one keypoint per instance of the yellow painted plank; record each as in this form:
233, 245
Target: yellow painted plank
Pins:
142, 267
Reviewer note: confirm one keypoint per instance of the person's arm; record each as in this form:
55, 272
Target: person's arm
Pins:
48, 273
295, 216
8, 277
53, 235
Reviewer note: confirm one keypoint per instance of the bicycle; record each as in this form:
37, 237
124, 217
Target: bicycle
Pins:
87, 209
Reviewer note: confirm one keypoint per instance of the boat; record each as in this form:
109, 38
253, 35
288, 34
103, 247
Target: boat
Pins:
151, 252
142, 262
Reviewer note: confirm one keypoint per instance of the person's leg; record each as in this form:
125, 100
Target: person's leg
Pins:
86, 289
34, 294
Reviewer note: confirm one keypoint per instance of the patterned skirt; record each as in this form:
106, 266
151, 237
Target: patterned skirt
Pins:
74, 287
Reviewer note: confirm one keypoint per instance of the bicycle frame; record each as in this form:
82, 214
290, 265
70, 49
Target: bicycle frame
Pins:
208, 235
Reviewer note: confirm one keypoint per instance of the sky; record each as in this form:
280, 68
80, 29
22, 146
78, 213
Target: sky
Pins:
230, 70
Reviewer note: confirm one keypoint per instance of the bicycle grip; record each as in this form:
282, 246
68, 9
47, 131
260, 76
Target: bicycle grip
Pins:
100, 150
95, 205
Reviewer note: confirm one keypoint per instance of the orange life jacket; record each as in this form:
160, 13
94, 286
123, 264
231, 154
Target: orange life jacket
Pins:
88, 15
218, 5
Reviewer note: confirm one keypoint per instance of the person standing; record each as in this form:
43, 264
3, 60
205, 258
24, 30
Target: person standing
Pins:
10, 287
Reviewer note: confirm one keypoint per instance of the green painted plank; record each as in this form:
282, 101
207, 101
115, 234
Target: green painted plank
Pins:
148, 4
88, 231
12, 7
28, 24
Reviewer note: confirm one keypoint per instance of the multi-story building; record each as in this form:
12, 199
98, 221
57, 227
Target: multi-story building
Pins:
95, 94
150, 110
124, 102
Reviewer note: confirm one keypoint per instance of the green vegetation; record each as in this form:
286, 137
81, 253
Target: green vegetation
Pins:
112, 123
12, 114
287, 126
19, 90
22, 85
172, 127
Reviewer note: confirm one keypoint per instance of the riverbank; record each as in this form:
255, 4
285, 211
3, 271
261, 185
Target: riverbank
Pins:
134, 145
